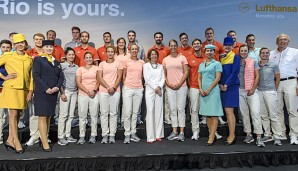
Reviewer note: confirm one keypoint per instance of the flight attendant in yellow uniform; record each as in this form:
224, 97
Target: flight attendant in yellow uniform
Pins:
17, 91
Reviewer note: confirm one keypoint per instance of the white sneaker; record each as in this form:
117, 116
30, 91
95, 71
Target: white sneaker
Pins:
218, 137
195, 136
221, 121
294, 140
31, 142
204, 120
21, 125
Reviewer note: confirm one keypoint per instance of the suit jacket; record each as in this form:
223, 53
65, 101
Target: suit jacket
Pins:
46, 75
22, 66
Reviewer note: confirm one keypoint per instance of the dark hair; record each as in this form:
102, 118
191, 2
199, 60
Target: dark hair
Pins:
158, 33
196, 39
107, 33
75, 28
150, 52
182, 34
117, 48
209, 28
86, 53
84, 32
263, 48
68, 49
5, 41
51, 31
173, 40
231, 31
132, 31
249, 35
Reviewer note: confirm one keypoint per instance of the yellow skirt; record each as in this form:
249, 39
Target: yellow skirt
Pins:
13, 98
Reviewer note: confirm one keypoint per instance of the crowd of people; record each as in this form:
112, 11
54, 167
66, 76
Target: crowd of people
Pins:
108, 85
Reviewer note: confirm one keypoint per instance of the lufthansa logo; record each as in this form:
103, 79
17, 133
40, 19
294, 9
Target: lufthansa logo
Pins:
244, 7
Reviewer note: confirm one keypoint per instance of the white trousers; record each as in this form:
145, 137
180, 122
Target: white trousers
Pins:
287, 93
154, 117
86, 103
194, 99
3, 121
33, 121
109, 106
177, 102
66, 113
132, 100
270, 120
166, 107
250, 107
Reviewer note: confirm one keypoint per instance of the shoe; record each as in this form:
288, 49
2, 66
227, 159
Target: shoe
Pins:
139, 121
70, 139
21, 125
112, 139
62, 141
211, 144
31, 142
134, 138
294, 140
248, 139
8, 146
181, 137
173, 136
267, 138
221, 121
104, 139
81, 141
203, 121
150, 142
232, 142
127, 139
92, 140
49, 141
56, 120
159, 139
20, 151
260, 142
44, 149
217, 136
75, 123
195, 136
277, 142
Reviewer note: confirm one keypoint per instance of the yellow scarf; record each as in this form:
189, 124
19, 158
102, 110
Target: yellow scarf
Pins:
49, 57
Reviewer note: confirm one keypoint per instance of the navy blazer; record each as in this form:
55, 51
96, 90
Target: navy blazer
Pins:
46, 75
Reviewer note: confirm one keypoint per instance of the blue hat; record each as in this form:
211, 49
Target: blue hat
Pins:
47, 42
228, 41
209, 47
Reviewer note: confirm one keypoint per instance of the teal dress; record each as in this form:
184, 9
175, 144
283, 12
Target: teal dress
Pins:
210, 105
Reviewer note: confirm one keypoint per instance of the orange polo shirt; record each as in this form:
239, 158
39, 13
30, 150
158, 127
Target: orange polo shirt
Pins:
32, 52
236, 48
194, 63
218, 50
187, 52
102, 53
58, 52
162, 52
80, 51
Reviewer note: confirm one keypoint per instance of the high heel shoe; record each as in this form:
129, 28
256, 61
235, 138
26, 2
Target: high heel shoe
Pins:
44, 149
8, 146
20, 151
211, 144
232, 142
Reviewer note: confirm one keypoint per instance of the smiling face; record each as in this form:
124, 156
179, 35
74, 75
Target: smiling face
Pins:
228, 48
158, 39
70, 56
88, 58
51, 35
243, 52
134, 50
173, 47
121, 44
264, 54
282, 41
38, 41
48, 49
153, 57
110, 52
209, 53
20, 46
197, 45
184, 40
251, 41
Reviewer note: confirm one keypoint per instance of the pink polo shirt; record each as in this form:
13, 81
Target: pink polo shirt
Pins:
123, 58
109, 74
88, 78
174, 68
134, 73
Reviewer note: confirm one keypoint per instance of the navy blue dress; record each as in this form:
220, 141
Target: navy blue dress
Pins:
46, 75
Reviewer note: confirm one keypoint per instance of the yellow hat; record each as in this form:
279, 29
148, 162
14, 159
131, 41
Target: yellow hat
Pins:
18, 38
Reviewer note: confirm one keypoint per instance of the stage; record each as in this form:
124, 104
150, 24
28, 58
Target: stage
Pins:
144, 156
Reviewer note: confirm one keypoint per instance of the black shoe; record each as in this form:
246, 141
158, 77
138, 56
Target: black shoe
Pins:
8, 146
45, 150
232, 142
20, 151
211, 144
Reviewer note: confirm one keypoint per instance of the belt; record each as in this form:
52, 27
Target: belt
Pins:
288, 78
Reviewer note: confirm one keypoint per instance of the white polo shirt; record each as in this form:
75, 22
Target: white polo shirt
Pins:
287, 61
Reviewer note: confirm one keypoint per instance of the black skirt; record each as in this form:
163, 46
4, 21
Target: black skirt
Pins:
45, 104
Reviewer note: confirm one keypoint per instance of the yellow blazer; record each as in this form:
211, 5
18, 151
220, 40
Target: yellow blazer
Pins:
22, 66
